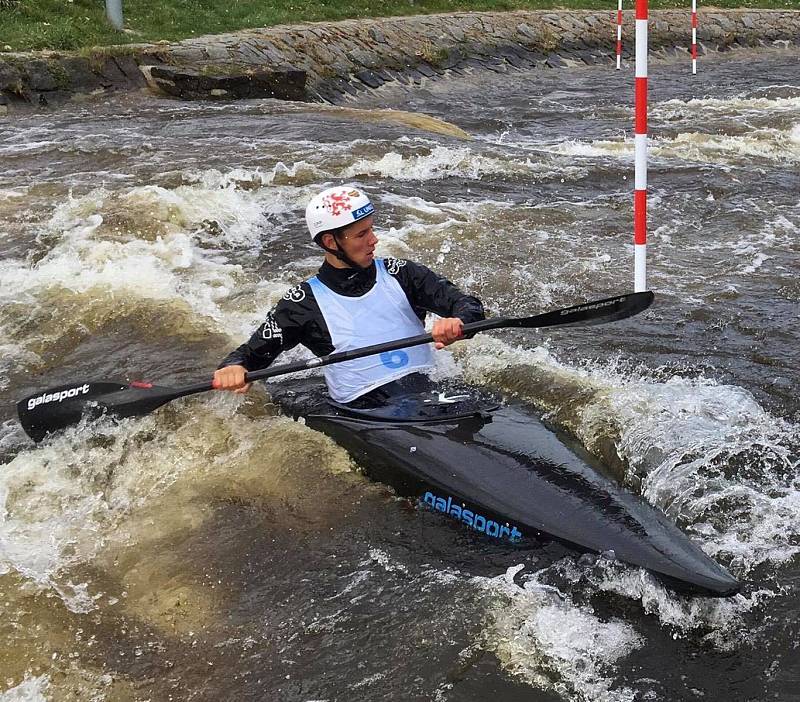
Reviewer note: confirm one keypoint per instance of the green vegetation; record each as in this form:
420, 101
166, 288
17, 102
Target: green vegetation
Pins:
76, 24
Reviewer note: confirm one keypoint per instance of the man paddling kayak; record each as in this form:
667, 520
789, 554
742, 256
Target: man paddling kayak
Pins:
355, 300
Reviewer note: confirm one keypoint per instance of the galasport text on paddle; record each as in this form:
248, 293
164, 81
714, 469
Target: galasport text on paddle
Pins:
57, 408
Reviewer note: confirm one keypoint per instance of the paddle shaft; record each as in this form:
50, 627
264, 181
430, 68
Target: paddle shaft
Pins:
387, 347
63, 406
592, 312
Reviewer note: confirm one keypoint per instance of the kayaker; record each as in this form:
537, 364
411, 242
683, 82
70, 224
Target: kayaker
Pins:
355, 300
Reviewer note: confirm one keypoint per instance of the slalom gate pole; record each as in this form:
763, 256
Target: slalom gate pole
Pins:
619, 34
694, 36
640, 152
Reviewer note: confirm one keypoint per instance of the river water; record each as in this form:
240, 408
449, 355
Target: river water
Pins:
216, 550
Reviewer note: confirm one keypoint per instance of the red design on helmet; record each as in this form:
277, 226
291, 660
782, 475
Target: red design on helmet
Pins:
338, 202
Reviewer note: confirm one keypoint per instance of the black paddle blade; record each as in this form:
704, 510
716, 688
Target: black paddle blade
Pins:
611, 309
57, 408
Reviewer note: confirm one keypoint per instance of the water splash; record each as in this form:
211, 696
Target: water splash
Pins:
540, 635
32, 689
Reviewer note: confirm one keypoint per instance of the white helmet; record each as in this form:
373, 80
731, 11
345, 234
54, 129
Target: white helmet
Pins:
337, 207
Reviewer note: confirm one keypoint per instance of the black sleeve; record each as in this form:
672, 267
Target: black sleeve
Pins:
296, 319
427, 291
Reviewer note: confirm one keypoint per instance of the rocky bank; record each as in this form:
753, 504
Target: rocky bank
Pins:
331, 62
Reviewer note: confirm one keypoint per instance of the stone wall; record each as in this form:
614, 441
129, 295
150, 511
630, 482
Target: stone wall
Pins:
342, 59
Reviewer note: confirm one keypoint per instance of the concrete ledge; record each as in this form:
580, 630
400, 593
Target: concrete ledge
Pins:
342, 59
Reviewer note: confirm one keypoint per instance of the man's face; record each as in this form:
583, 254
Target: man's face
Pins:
358, 241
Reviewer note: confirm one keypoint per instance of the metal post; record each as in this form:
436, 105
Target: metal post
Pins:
114, 13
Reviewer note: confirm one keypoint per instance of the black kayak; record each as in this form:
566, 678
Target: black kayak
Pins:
495, 467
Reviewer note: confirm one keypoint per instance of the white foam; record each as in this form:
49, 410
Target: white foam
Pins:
719, 622
9, 148
771, 144
426, 220
64, 500
211, 179
392, 242
463, 162
32, 689
540, 635
683, 436
600, 148
384, 560
52, 514
698, 109
168, 262
12, 193
780, 145
447, 209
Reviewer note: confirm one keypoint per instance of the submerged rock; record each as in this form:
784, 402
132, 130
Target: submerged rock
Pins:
189, 84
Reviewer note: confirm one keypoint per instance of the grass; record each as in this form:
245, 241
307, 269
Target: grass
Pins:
77, 24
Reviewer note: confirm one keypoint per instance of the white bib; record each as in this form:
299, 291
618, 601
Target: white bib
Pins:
382, 314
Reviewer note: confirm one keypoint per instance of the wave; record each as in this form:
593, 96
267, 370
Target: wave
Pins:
163, 260
778, 145
694, 109
462, 162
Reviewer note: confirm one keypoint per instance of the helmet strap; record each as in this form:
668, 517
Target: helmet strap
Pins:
339, 251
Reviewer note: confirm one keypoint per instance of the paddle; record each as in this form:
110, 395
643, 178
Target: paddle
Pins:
63, 406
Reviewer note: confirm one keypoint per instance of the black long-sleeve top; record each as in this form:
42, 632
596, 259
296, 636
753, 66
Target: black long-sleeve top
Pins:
297, 318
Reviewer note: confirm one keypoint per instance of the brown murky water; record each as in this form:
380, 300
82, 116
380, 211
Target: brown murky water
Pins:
216, 550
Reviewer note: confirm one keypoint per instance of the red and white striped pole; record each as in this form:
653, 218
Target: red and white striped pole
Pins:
619, 34
640, 152
694, 37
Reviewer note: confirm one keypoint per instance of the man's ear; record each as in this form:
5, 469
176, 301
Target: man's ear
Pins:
329, 241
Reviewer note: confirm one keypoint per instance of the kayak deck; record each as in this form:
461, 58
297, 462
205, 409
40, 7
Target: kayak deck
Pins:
499, 470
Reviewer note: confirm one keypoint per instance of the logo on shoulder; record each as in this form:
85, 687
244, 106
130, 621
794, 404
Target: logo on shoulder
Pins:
295, 294
393, 265
60, 396
270, 329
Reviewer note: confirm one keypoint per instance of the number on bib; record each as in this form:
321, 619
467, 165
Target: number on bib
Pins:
394, 359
